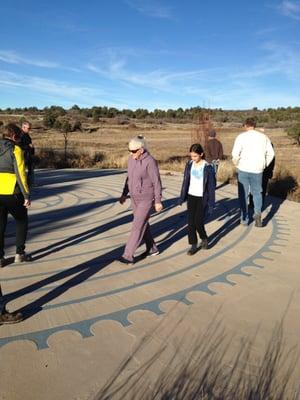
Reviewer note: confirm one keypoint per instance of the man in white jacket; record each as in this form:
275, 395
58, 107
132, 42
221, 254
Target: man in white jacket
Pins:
251, 153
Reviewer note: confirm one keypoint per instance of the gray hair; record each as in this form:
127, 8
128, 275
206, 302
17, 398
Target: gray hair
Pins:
137, 143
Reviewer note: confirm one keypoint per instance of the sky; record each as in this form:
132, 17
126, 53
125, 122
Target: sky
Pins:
233, 54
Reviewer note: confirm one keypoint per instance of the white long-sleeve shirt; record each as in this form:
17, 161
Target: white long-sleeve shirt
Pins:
252, 151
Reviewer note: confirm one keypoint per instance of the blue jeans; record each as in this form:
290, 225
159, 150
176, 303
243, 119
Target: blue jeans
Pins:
249, 182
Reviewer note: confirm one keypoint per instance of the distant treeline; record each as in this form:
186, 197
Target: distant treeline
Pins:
270, 117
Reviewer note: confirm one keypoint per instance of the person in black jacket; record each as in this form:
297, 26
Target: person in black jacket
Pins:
198, 188
14, 199
28, 149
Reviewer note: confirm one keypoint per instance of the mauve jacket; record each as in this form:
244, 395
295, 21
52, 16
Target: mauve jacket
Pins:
143, 179
209, 185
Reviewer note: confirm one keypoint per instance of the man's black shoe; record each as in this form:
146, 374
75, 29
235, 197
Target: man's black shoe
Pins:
10, 318
193, 250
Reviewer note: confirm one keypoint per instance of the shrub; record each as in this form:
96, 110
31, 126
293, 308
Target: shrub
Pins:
284, 184
77, 126
49, 120
294, 132
226, 171
57, 125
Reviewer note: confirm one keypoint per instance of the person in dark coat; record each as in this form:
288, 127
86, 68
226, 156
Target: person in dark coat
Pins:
14, 199
198, 188
28, 149
213, 150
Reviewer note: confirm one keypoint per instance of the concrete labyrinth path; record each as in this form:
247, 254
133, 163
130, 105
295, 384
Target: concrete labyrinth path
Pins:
86, 311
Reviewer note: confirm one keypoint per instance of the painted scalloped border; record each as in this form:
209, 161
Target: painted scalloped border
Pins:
40, 338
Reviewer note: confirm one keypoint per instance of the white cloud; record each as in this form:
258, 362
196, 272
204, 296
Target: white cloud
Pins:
283, 58
11, 57
272, 80
290, 9
62, 92
278, 60
228, 86
151, 8
266, 31
162, 80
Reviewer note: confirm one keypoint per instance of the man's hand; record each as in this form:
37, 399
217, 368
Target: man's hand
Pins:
158, 207
27, 203
122, 199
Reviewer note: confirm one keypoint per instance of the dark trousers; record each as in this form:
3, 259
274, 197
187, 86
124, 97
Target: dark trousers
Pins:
195, 219
2, 305
13, 204
30, 171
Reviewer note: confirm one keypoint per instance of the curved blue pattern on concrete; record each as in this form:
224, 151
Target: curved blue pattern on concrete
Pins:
40, 338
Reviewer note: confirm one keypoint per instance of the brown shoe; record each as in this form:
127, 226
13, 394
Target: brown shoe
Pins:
257, 219
10, 318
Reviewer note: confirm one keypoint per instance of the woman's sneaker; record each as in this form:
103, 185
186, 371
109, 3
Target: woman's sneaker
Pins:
193, 250
204, 244
10, 318
152, 253
23, 258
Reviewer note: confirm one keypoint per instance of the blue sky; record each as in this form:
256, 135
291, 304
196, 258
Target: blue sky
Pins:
150, 53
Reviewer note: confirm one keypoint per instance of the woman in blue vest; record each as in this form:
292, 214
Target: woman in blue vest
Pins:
198, 188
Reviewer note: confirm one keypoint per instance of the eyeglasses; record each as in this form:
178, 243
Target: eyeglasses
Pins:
133, 151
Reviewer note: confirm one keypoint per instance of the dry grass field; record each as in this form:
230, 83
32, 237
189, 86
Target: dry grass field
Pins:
104, 145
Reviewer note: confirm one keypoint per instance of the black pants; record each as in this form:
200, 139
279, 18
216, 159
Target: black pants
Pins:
195, 219
30, 171
2, 305
13, 204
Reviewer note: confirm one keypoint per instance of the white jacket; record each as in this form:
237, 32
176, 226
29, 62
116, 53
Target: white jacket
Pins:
252, 151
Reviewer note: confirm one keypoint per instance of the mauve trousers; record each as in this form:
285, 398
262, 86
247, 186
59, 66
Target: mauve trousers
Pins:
140, 229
